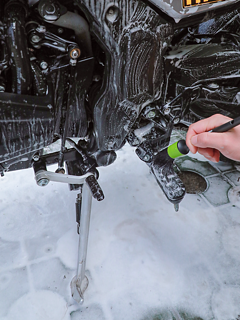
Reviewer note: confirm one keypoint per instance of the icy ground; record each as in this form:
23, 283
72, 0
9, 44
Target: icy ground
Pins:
145, 261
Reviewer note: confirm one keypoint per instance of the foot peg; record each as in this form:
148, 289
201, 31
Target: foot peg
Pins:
168, 180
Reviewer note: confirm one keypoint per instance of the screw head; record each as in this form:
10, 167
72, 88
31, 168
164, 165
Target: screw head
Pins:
75, 53
2, 88
36, 157
176, 120
151, 114
167, 111
146, 157
44, 65
35, 38
42, 182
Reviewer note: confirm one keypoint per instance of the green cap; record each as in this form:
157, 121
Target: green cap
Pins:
177, 149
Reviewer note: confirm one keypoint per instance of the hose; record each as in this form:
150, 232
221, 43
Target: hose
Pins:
16, 40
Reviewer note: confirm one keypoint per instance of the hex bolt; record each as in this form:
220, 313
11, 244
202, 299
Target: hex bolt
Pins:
2, 88
151, 114
146, 157
42, 182
167, 110
35, 38
44, 65
75, 54
36, 157
60, 30
176, 120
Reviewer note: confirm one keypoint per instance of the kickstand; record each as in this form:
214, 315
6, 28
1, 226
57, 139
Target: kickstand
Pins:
90, 189
83, 212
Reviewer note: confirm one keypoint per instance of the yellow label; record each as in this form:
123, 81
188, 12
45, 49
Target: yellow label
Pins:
191, 3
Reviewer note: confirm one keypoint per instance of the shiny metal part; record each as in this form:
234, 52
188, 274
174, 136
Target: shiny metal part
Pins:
80, 282
44, 65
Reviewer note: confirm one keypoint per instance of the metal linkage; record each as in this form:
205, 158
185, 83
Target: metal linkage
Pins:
90, 188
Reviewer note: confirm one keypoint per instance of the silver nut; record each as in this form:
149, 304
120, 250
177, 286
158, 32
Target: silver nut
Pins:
44, 65
42, 182
74, 54
41, 29
176, 120
36, 157
60, 30
2, 88
151, 114
146, 157
35, 38
167, 111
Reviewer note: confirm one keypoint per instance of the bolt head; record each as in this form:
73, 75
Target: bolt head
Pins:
146, 157
75, 54
44, 65
176, 120
167, 111
36, 157
35, 38
42, 182
151, 114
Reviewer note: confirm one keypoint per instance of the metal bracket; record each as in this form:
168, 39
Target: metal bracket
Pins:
90, 189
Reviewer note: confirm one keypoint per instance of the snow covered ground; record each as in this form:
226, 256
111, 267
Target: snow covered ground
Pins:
145, 261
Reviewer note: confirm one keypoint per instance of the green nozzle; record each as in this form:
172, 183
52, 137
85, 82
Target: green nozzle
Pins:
177, 149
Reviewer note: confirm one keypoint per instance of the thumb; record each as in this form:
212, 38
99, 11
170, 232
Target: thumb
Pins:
209, 140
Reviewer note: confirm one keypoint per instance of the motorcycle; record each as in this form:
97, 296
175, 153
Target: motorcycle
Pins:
93, 75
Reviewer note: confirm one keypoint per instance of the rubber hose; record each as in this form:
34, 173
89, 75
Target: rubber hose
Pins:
16, 39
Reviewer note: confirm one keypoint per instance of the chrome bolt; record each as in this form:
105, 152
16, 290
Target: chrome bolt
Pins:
74, 54
146, 157
176, 120
49, 106
41, 29
42, 182
44, 65
35, 38
167, 110
36, 157
151, 114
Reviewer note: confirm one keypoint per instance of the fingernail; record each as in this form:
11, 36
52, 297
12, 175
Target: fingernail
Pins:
194, 140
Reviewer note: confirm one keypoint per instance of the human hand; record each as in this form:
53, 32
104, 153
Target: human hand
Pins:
210, 144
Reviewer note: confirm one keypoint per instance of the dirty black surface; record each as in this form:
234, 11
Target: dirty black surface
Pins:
194, 183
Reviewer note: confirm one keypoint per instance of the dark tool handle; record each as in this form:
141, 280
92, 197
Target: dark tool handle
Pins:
227, 126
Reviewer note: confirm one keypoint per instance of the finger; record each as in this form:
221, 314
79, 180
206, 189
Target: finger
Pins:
213, 140
210, 154
204, 126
